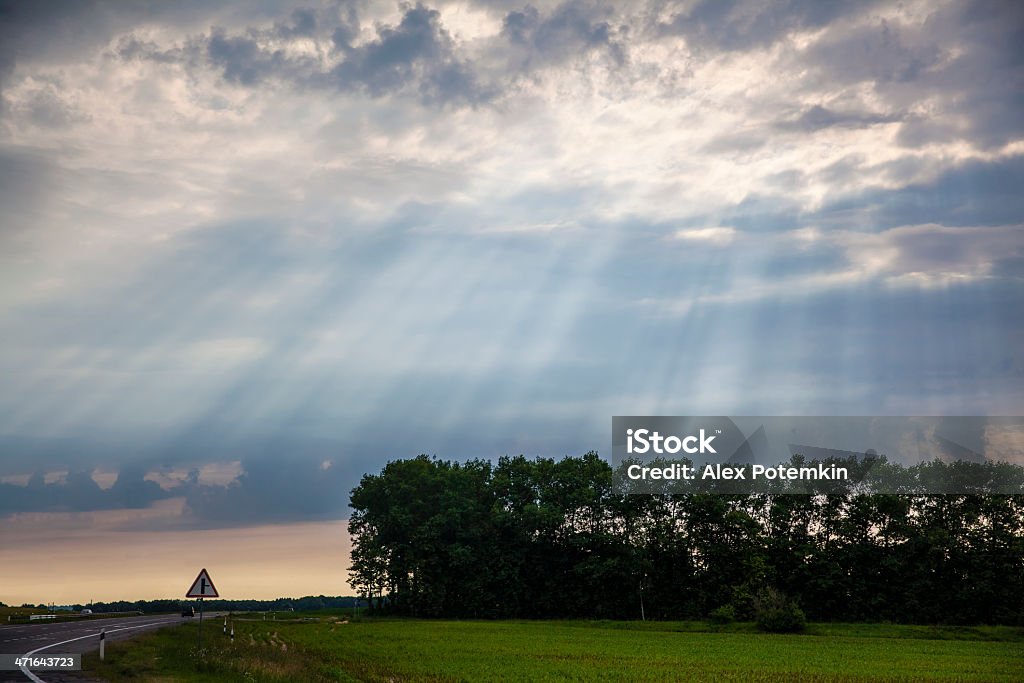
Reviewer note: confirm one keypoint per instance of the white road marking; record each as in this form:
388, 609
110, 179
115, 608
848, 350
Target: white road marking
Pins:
37, 679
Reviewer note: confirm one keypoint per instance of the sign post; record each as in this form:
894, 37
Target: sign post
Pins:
201, 588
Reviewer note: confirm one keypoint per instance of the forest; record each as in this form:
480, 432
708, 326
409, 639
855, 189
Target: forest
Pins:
306, 603
540, 538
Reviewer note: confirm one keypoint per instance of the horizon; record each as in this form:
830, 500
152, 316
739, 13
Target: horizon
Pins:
85, 605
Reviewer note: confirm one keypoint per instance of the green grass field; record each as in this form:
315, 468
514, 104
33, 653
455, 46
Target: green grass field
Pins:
406, 650
17, 611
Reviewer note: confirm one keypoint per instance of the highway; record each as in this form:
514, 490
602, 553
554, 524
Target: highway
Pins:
76, 636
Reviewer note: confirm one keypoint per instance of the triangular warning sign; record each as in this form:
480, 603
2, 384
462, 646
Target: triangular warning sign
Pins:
202, 587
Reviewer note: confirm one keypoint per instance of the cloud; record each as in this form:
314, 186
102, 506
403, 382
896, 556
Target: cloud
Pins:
29, 29
938, 62
236, 493
26, 177
303, 490
973, 193
569, 30
314, 50
79, 492
716, 236
933, 255
731, 25
46, 108
62, 31
303, 24
818, 117
415, 54
418, 50
880, 52
243, 60
351, 232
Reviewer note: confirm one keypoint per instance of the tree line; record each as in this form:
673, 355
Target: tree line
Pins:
541, 538
303, 604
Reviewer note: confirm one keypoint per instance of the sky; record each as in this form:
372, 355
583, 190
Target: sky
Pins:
251, 251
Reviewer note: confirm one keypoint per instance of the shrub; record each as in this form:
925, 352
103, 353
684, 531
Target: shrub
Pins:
777, 613
726, 614
742, 602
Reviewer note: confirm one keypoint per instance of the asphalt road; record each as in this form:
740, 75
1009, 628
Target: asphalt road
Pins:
77, 636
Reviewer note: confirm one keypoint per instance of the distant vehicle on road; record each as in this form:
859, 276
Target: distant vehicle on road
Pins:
86, 611
188, 611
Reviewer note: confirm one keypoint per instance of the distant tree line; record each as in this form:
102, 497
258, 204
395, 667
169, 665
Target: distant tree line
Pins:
552, 539
305, 604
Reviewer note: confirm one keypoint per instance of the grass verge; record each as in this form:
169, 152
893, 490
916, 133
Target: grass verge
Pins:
406, 650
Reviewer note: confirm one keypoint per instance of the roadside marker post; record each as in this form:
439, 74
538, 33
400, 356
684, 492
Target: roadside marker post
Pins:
103, 642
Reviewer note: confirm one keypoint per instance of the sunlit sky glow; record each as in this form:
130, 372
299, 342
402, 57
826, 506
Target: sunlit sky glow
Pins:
251, 251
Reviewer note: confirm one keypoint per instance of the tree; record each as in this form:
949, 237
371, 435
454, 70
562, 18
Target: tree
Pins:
555, 539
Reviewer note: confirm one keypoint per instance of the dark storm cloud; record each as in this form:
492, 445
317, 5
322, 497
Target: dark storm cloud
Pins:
131, 48
818, 117
930, 249
23, 454
571, 29
303, 24
346, 30
957, 73
958, 52
243, 61
29, 29
269, 491
281, 480
920, 131
78, 492
266, 491
880, 52
60, 31
417, 50
243, 57
967, 58
133, 490
417, 53
734, 25
976, 193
